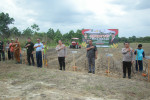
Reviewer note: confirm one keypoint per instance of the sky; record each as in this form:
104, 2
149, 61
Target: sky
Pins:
131, 17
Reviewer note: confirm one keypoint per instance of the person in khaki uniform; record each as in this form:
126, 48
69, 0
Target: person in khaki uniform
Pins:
16, 46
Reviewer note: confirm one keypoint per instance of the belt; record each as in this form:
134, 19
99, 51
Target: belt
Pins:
38, 51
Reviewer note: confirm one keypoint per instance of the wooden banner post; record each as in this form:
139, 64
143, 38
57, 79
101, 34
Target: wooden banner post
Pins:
74, 62
108, 67
43, 60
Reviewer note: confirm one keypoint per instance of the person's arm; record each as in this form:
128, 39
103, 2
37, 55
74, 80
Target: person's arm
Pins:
124, 50
26, 45
143, 54
35, 46
96, 54
3, 46
88, 48
135, 52
132, 55
32, 48
58, 48
65, 51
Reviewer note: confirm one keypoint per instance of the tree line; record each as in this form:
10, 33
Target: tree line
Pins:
50, 36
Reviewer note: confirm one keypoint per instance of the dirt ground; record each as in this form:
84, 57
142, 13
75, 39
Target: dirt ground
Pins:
22, 82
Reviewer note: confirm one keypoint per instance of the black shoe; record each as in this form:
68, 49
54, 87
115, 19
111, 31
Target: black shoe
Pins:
60, 69
129, 77
93, 72
89, 72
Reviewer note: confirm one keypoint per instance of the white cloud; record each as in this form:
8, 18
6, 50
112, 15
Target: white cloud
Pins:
130, 17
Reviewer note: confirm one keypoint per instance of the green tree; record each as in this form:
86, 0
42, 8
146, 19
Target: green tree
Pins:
28, 32
15, 31
58, 36
35, 28
51, 34
5, 20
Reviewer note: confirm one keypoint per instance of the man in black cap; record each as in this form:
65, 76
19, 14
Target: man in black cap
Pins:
2, 50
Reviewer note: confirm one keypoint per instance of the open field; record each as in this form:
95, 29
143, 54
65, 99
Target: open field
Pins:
21, 82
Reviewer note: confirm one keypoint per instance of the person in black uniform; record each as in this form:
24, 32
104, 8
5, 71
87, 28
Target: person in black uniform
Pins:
30, 49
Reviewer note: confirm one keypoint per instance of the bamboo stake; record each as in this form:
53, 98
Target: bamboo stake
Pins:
108, 65
43, 58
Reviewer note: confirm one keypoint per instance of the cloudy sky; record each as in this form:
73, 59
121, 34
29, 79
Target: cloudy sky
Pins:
131, 17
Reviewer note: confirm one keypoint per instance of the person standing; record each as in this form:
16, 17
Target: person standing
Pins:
62, 53
91, 55
128, 59
39, 47
139, 52
30, 50
8, 50
2, 50
11, 49
16, 46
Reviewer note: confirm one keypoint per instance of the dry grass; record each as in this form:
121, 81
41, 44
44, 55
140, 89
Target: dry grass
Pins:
21, 82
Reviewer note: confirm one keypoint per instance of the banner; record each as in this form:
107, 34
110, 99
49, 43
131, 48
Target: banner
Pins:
101, 37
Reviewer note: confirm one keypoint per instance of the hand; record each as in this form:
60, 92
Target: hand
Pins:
62, 48
32, 52
39, 45
95, 57
92, 47
28, 45
128, 49
132, 62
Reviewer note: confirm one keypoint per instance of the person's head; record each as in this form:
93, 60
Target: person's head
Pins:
29, 39
90, 42
113, 35
60, 42
127, 44
12, 40
38, 40
16, 40
140, 46
7, 41
43, 43
85, 35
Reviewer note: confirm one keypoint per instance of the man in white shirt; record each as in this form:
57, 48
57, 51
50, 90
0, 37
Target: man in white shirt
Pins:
39, 47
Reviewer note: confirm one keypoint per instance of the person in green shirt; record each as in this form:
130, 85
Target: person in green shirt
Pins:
45, 54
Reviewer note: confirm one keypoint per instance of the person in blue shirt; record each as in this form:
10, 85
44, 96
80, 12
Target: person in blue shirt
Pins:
139, 52
39, 46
